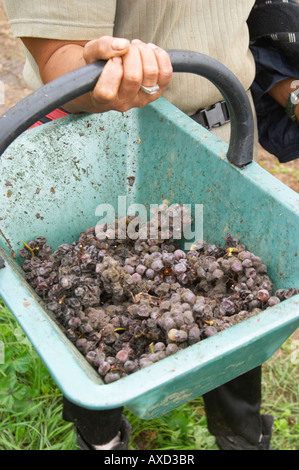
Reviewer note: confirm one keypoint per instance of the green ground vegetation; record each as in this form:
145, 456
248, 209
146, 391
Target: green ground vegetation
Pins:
31, 404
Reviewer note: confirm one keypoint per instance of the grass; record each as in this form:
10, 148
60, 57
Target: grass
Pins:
281, 391
31, 404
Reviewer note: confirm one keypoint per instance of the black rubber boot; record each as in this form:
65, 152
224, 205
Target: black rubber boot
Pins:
234, 415
120, 443
239, 443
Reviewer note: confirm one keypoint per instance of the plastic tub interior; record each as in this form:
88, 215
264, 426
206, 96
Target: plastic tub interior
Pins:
60, 172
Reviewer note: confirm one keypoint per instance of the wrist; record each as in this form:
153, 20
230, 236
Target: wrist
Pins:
82, 104
281, 91
66, 59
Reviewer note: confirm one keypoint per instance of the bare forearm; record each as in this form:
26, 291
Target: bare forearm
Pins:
281, 91
62, 61
119, 87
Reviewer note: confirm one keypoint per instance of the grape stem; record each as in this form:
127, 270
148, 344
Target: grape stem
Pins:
32, 250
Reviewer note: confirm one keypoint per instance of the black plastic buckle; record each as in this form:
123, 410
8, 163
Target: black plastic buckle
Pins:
2, 263
215, 116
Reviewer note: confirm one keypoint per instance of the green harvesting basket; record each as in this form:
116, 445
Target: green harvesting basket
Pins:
54, 177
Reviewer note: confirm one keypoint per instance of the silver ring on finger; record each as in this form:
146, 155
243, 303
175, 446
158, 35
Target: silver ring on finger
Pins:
150, 90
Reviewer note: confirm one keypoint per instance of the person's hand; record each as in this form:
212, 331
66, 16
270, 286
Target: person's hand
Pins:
129, 66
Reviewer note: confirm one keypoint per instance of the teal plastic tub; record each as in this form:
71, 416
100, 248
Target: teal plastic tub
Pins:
59, 173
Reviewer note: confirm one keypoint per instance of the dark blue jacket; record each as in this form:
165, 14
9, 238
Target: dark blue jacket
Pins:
277, 134
274, 34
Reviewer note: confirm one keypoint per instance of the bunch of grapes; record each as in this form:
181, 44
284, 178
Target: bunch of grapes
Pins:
127, 303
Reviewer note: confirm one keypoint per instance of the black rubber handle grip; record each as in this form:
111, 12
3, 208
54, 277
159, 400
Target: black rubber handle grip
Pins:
82, 80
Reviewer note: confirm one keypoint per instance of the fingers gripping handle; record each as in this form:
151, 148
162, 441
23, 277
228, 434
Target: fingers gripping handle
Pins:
83, 80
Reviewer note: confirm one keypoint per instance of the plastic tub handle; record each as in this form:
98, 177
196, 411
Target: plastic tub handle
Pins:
82, 80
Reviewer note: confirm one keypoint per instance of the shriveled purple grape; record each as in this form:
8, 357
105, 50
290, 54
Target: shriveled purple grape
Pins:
104, 367
188, 296
236, 266
157, 265
247, 263
145, 362
273, 301
227, 307
218, 274
291, 292
188, 317
74, 323
168, 259
250, 283
91, 356
171, 348
159, 347
143, 311
136, 278
130, 366
126, 304
122, 355
150, 273
129, 269
263, 295
177, 336
168, 323
250, 272
112, 377
140, 269
254, 304
213, 266
179, 268
194, 334
179, 254
210, 331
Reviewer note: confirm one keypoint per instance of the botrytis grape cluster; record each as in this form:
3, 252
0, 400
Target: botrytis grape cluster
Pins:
127, 304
